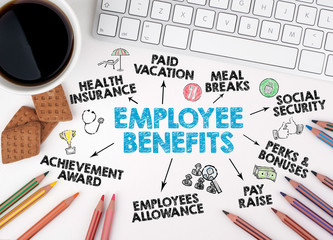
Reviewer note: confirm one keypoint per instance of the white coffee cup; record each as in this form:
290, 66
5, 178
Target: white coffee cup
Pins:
30, 90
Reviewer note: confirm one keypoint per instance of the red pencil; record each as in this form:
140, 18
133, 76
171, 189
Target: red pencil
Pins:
48, 218
108, 220
324, 179
246, 226
294, 225
95, 220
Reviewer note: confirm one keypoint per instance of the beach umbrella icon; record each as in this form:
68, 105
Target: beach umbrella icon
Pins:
120, 52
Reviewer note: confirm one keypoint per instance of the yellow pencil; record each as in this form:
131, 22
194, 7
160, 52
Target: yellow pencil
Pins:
25, 204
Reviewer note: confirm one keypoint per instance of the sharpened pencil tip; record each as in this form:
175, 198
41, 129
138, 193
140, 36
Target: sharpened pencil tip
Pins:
76, 194
113, 197
314, 173
314, 121
225, 212
102, 198
283, 194
54, 183
46, 173
274, 210
309, 127
287, 178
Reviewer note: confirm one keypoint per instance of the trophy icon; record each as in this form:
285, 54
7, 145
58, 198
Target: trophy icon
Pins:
68, 136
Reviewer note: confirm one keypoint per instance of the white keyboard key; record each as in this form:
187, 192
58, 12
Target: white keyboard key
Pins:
326, 19
263, 8
311, 61
182, 14
161, 10
327, 3
313, 38
176, 37
129, 28
285, 11
139, 7
226, 22
107, 25
248, 26
151, 32
114, 5
204, 18
179, 0
244, 49
270, 30
329, 66
199, 2
291, 34
306, 15
307, 1
222, 4
241, 6
329, 42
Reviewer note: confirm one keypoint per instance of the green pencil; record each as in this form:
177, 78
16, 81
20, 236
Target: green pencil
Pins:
21, 192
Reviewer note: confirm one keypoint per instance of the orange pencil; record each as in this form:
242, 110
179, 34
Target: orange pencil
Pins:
25, 204
324, 179
48, 218
95, 220
326, 125
294, 225
108, 220
246, 226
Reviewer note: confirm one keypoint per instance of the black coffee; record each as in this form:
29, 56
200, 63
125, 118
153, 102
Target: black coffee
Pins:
36, 42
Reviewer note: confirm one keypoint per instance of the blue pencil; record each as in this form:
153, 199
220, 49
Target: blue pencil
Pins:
309, 213
311, 196
321, 135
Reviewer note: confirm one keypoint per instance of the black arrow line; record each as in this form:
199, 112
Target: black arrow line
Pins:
255, 142
131, 99
263, 109
221, 95
166, 175
96, 153
163, 86
239, 174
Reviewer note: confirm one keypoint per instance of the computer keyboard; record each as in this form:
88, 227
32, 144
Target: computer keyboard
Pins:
293, 36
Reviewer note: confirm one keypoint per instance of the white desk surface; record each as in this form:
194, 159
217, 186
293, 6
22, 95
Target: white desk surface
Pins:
143, 172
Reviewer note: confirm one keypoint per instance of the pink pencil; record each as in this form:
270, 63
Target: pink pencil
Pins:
95, 220
108, 220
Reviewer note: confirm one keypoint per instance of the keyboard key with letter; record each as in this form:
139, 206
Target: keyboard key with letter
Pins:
291, 36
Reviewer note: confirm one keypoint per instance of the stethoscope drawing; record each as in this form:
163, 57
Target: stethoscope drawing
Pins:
90, 126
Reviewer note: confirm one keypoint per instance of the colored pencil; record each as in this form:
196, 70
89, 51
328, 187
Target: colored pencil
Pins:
25, 204
95, 220
246, 226
326, 125
48, 218
321, 135
311, 196
324, 179
294, 225
108, 220
309, 213
21, 192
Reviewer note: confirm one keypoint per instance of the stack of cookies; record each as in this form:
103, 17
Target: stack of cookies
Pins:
28, 129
